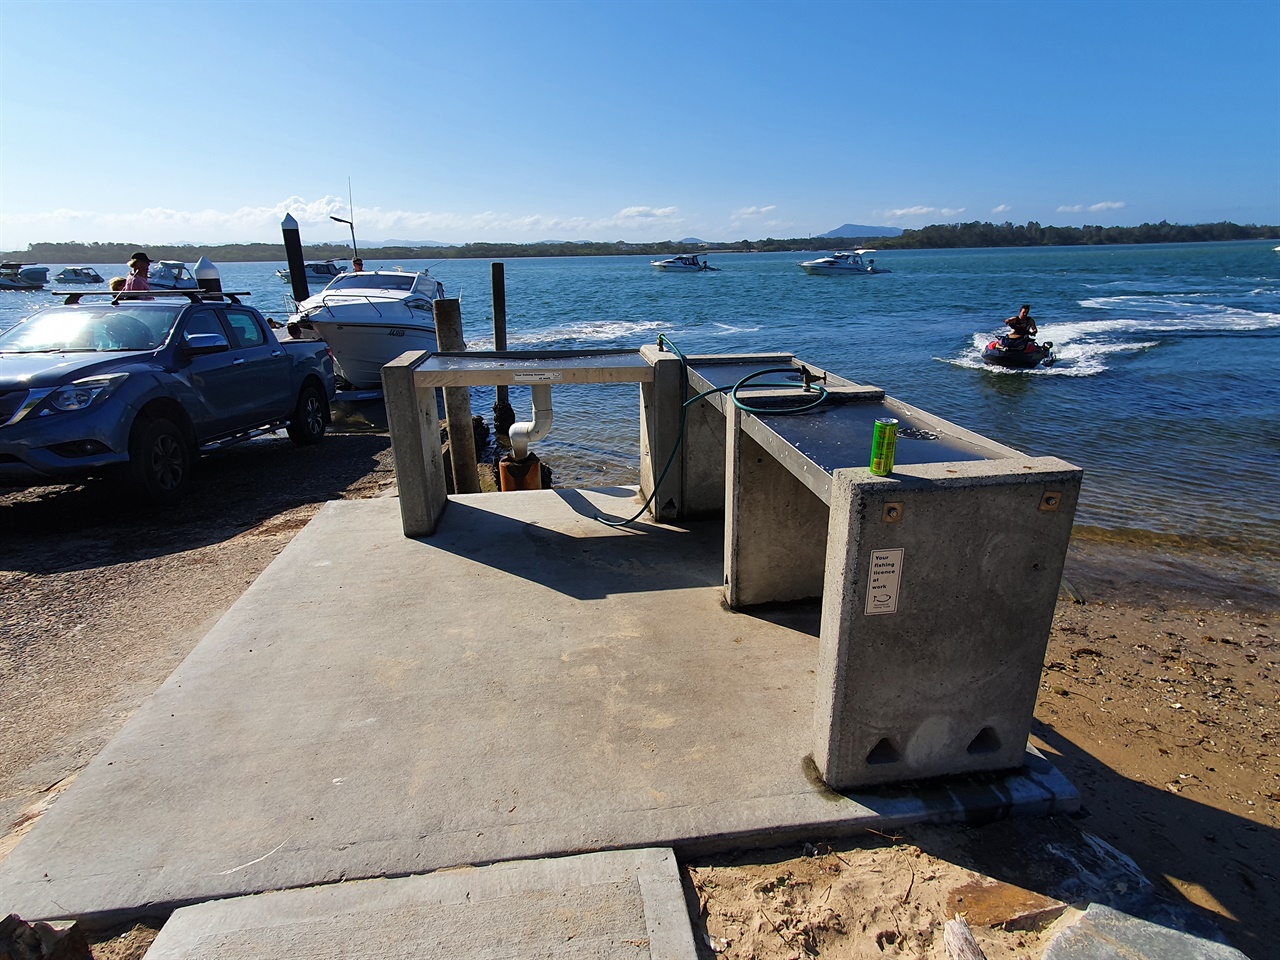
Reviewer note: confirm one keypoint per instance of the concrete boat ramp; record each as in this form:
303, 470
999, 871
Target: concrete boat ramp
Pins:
528, 684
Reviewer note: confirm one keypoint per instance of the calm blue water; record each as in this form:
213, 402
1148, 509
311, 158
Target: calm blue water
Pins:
1166, 392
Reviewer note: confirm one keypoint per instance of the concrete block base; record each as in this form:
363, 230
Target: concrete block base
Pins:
625, 904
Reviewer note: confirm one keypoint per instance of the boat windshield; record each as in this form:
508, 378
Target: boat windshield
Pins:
85, 329
374, 281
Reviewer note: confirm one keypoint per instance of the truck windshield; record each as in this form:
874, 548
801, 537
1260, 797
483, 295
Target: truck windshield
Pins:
91, 329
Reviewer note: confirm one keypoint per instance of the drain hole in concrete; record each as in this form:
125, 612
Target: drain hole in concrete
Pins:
883, 752
985, 742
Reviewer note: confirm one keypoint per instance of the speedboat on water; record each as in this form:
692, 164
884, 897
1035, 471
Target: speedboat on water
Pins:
316, 271
171, 275
842, 263
78, 275
685, 263
22, 276
370, 318
1020, 353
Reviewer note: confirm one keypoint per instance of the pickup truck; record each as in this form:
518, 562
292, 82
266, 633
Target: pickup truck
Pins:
136, 388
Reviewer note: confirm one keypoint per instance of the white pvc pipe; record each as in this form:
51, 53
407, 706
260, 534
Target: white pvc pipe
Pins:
523, 434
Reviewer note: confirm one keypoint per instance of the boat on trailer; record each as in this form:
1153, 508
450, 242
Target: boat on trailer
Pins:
370, 318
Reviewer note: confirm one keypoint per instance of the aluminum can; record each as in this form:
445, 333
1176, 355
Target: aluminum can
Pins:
884, 441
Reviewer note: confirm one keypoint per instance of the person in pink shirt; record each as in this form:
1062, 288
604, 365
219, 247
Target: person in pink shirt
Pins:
139, 265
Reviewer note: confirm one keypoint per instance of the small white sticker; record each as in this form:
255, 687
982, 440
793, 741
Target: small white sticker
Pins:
883, 581
538, 376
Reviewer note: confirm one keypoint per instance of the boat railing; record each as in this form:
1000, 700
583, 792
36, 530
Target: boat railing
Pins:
367, 298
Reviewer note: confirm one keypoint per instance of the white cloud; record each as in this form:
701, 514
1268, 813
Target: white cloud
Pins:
747, 213
1003, 208
921, 211
1093, 207
157, 225
648, 213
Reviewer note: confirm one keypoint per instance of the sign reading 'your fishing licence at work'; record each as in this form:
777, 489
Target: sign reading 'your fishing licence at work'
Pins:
883, 583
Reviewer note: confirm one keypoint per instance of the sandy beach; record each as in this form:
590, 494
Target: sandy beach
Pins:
1158, 700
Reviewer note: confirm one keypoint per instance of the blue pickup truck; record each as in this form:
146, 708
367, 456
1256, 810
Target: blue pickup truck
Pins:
136, 388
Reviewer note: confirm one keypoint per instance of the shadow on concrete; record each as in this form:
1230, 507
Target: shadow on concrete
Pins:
1172, 836
99, 523
596, 562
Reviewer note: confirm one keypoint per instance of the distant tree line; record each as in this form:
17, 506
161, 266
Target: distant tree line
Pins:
937, 236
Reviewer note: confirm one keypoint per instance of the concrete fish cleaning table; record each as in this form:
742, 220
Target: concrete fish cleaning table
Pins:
938, 582
526, 682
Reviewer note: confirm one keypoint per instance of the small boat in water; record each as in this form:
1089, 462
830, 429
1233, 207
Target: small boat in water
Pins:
22, 276
316, 271
171, 275
370, 318
684, 263
1019, 353
78, 275
839, 264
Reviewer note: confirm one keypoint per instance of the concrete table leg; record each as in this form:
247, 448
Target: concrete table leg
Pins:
940, 589
775, 528
415, 444
660, 411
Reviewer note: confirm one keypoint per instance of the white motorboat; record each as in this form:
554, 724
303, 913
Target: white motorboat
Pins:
370, 318
316, 271
685, 263
171, 275
855, 262
78, 275
22, 276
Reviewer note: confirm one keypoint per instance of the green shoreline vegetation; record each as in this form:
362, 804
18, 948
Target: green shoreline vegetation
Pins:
935, 237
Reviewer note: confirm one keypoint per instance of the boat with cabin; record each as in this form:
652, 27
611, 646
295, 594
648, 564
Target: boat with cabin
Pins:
844, 262
369, 318
316, 271
171, 275
22, 276
684, 263
78, 275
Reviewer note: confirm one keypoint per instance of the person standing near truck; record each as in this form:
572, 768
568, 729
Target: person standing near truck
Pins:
139, 266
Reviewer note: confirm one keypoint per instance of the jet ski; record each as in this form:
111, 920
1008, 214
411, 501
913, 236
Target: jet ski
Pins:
1020, 353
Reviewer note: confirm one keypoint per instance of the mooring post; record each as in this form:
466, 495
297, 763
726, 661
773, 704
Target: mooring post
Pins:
293, 254
503, 415
457, 400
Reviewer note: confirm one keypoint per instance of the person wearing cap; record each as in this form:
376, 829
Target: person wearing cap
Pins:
139, 265
357, 265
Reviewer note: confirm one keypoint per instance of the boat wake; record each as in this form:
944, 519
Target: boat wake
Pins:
595, 332
1076, 355
1136, 322
728, 329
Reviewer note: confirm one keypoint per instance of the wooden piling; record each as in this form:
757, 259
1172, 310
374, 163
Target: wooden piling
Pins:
457, 400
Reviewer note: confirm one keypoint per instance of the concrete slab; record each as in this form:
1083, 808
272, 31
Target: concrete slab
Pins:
626, 905
527, 683
1101, 933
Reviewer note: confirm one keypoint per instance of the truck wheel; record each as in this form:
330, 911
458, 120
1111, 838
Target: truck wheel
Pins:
160, 461
306, 426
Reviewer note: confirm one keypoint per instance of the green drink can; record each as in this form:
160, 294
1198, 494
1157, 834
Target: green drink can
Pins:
883, 443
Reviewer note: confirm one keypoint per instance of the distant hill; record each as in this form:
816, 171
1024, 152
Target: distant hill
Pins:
692, 240
862, 230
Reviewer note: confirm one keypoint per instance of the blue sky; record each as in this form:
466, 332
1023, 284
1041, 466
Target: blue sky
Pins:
207, 121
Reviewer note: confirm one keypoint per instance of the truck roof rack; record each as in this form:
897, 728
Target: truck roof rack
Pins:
195, 296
